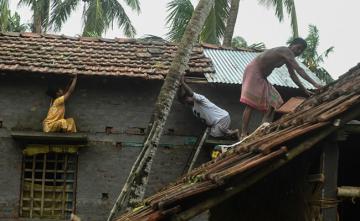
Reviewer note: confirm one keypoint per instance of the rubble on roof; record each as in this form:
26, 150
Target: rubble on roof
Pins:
269, 148
59, 54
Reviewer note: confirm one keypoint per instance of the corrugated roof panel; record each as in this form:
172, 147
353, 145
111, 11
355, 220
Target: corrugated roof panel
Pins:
230, 65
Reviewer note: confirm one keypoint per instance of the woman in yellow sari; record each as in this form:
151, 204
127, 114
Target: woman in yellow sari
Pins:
55, 122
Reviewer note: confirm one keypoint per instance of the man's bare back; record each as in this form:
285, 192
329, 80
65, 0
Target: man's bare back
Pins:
274, 58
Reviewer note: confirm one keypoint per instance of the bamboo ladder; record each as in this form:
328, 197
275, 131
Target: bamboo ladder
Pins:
199, 144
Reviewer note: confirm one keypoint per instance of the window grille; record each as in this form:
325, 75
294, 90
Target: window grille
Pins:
48, 185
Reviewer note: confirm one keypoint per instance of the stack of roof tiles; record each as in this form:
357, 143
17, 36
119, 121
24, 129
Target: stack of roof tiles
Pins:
30, 52
270, 147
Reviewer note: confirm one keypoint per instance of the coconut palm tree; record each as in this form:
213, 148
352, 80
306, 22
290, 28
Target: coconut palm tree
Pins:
230, 23
279, 12
41, 13
134, 187
222, 18
98, 15
312, 58
180, 12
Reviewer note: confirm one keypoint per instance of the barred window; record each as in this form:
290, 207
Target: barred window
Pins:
48, 185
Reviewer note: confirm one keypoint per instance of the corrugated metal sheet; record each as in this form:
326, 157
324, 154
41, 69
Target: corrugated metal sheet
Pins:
230, 65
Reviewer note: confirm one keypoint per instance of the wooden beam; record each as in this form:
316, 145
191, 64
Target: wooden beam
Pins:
329, 166
348, 192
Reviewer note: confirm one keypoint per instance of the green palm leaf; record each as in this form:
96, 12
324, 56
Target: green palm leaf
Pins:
98, 15
215, 24
115, 10
180, 12
61, 11
279, 11
277, 4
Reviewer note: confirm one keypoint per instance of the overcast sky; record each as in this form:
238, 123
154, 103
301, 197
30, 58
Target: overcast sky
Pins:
337, 21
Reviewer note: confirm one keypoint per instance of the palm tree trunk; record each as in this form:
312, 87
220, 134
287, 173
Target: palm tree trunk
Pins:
37, 22
294, 23
231, 21
135, 185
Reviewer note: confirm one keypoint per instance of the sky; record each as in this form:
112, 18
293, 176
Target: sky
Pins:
337, 21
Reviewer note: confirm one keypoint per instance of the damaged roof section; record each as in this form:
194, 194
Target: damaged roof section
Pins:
266, 150
59, 54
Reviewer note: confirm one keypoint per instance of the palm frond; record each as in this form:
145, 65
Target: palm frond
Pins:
328, 51
95, 19
26, 2
133, 4
291, 10
216, 22
114, 10
277, 4
61, 11
180, 12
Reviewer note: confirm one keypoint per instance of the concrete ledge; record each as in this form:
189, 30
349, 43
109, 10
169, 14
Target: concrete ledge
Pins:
41, 137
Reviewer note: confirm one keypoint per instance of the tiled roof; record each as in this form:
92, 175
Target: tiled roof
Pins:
264, 151
230, 64
59, 54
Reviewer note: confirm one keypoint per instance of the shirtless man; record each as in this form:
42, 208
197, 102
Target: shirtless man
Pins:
258, 93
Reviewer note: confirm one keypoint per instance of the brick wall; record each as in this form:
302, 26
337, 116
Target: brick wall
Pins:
97, 103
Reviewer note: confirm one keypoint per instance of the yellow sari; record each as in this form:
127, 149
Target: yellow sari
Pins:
55, 122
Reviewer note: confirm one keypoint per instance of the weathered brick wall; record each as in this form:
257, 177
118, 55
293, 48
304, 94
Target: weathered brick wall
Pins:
97, 103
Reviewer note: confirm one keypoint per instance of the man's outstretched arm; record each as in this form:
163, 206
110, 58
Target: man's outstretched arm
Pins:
293, 63
186, 87
296, 80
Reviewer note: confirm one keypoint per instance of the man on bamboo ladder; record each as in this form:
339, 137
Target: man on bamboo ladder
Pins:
213, 116
55, 122
258, 93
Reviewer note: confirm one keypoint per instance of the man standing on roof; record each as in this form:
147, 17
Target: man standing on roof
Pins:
258, 93
213, 116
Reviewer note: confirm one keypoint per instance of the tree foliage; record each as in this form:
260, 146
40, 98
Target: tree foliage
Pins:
240, 42
98, 15
279, 6
180, 12
41, 13
10, 22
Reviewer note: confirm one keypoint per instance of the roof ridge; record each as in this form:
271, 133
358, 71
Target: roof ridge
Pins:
220, 47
